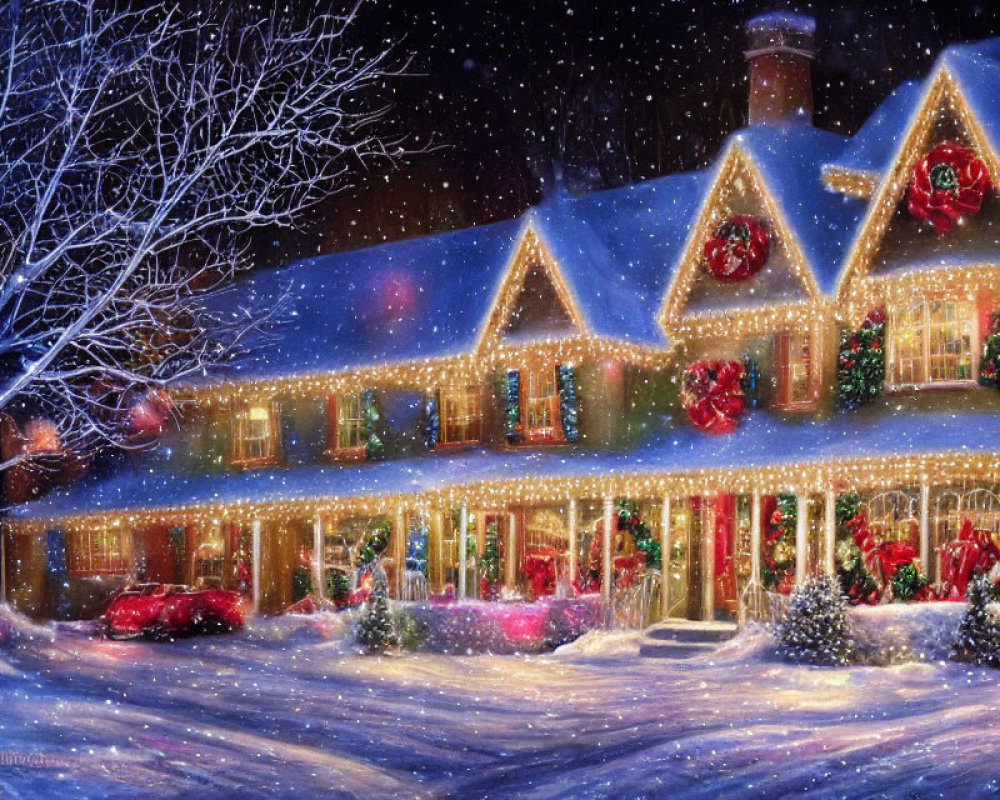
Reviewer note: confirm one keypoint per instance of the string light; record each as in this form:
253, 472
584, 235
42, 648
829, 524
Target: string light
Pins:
855, 182
940, 469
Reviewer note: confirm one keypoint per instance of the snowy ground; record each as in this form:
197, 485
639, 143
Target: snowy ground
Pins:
285, 709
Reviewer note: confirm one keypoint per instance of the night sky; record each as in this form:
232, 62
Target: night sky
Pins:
505, 94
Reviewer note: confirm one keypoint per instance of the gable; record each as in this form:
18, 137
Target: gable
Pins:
533, 300
538, 310
892, 238
784, 277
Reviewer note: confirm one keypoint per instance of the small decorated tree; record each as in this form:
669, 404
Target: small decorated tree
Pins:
989, 366
978, 638
815, 629
375, 631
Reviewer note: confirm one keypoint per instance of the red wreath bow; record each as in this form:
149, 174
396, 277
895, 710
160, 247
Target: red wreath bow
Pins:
712, 395
882, 559
738, 249
971, 553
947, 183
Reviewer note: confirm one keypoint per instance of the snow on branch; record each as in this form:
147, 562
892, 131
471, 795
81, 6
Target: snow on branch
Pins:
138, 148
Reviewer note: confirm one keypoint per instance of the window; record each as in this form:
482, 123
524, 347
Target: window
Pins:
101, 552
461, 415
345, 422
933, 342
541, 405
255, 435
798, 385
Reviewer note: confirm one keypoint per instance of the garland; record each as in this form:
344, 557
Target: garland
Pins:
374, 446
569, 408
778, 551
432, 420
892, 565
712, 395
861, 363
375, 542
738, 249
856, 582
489, 564
512, 408
946, 184
989, 366
630, 520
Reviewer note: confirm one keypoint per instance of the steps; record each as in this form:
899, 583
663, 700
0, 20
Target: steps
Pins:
684, 638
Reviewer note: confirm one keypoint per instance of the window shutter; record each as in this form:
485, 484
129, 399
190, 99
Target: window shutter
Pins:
512, 407
333, 429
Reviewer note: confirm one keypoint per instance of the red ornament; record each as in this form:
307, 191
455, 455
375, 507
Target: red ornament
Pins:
738, 249
947, 183
713, 396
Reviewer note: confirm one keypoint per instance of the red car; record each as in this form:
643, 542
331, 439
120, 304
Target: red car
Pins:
163, 610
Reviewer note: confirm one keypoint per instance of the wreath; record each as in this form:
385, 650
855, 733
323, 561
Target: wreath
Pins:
738, 249
947, 183
712, 395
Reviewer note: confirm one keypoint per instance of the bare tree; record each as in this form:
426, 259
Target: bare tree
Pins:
138, 148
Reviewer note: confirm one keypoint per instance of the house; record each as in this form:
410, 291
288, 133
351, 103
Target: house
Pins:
706, 385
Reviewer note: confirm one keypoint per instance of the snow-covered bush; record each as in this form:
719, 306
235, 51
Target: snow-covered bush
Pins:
978, 637
814, 629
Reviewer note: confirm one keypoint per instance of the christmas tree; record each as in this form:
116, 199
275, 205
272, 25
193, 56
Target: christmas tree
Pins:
861, 363
815, 629
375, 631
978, 638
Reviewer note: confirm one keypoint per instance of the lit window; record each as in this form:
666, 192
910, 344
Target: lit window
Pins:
542, 405
346, 421
461, 414
797, 384
255, 436
99, 552
933, 342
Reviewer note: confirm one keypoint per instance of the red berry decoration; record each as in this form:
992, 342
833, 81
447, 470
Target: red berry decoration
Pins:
947, 183
712, 395
738, 249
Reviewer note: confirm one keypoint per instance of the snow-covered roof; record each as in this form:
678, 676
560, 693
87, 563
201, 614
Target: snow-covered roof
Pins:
762, 440
790, 160
873, 146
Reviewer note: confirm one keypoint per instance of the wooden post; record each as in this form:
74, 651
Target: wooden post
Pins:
400, 552
830, 531
707, 510
571, 525
317, 564
255, 577
801, 536
925, 530
510, 570
463, 544
755, 523
665, 559
607, 533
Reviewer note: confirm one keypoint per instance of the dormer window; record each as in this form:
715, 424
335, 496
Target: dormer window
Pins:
461, 415
540, 409
797, 370
933, 342
346, 439
255, 435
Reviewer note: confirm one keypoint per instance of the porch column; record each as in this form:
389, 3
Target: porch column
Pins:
463, 543
665, 558
830, 532
801, 536
255, 576
925, 529
755, 520
607, 533
707, 511
571, 525
510, 570
400, 552
317, 564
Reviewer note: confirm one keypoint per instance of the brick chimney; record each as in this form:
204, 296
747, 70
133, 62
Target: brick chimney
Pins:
780, 51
